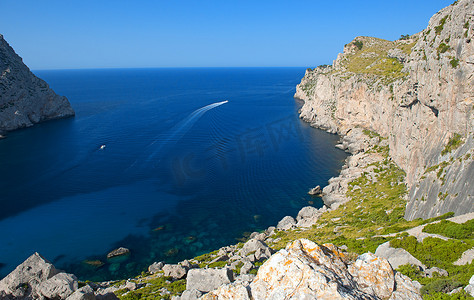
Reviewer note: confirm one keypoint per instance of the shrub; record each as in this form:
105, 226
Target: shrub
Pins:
451, 229
452, 144
358, 44
454, 62
441, 285
404, 37
439, 28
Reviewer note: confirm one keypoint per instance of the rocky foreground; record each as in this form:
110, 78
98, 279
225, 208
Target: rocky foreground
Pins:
24, 98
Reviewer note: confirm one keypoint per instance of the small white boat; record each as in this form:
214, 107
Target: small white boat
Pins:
102, 147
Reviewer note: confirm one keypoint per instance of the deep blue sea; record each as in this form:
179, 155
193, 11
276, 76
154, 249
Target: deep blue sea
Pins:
154, 162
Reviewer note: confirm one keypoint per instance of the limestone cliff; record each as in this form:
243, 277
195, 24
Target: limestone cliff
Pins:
419, 93
24, 98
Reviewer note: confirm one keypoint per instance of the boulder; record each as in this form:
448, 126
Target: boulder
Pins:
397, 256
206, 280
84, 293
228, 292
470, 287
155, 267
190, 295
316, 191
305, 270
175, 271
286, 223
245, 269
107, 296
118, 252
435, 270
25, 279
374, 275
251, 246
60, 286
307, 216
466, 258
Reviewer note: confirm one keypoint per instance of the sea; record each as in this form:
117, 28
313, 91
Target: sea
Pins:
170, 163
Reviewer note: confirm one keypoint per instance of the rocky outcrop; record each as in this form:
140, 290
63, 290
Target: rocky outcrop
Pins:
305, 270
24, 98
37, 278
416, 92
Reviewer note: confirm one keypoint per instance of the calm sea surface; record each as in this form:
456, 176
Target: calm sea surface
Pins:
157, 162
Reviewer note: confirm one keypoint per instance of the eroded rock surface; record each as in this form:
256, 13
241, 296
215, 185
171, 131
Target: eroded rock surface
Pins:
305, 270
24, 98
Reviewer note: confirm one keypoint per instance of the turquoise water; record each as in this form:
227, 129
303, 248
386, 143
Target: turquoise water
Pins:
156, 161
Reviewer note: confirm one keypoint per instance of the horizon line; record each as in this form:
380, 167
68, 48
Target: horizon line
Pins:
137, 68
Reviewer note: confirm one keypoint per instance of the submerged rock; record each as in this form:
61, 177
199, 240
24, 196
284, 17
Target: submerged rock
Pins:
118, 252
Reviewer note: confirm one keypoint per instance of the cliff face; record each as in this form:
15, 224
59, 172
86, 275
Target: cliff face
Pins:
419, 93
24, 98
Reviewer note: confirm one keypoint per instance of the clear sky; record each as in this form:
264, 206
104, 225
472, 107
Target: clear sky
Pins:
65, 34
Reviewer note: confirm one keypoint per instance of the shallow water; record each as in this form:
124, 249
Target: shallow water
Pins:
175, 178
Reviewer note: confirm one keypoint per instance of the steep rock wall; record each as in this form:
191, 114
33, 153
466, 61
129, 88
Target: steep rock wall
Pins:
24, 98
419, 93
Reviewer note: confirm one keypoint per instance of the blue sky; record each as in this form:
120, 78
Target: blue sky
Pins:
67, 34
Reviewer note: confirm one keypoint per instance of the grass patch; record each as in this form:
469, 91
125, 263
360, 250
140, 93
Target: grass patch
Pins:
454, 62
453, 143
152, 291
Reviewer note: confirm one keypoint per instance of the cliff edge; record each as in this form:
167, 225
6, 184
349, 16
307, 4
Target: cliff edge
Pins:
418, 92
24, 98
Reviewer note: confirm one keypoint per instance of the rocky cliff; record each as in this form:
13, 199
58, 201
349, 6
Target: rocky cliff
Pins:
418, 92
24, 98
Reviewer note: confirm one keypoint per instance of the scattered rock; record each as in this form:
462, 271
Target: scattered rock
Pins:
155, 267
60, 286
286, 223
316, 191
190, 294
206, 280
470, 287
246, 268
466, 258
397, 256
175, 271
228, 292
435, 270
251, 246
118, 252
84, 293
308, 216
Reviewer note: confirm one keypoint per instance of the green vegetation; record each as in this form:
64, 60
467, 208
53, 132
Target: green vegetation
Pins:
404, 37
453, 143
442, 48
439, 28
437, 252
152, 291
452, 230
373, 60
454, 62
358, 44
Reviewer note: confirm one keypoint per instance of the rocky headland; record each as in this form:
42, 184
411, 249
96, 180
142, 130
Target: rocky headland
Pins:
24, 98
418, 92
397, 223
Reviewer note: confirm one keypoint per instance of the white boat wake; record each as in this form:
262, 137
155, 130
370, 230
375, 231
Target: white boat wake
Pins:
177, 132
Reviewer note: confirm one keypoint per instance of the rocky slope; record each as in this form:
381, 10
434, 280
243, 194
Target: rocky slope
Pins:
419, 93
24, 98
